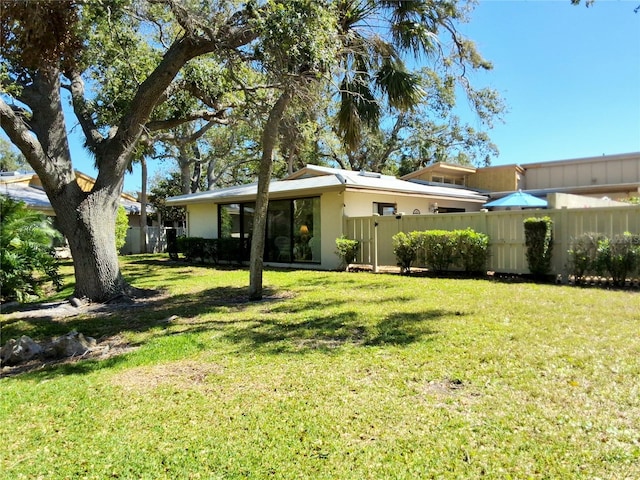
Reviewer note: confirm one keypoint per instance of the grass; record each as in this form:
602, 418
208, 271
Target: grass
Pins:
335, 375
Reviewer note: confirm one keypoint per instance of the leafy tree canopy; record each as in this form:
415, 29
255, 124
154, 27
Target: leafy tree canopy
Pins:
11, 160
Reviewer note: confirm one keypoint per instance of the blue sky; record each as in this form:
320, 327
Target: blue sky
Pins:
570, 76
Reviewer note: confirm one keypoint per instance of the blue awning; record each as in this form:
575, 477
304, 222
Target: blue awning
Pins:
518, 199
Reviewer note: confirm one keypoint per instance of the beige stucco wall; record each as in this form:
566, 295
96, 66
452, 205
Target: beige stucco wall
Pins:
331, 212
565, 200
202, 220
360, 204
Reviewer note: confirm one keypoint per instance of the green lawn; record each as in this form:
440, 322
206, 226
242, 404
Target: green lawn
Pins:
335, 375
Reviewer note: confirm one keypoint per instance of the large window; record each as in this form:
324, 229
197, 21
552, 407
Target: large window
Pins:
235, 222
293, 229
306, 230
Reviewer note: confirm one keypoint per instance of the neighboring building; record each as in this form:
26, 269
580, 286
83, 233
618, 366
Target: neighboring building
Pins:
616, 177
307, 208
28, 188
19, 187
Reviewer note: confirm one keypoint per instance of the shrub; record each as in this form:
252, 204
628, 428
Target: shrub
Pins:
405, 248
211, 249
27, 259
618, 256
583, 255
438, 249
228, 249
538, 234
472, 250
191, 247
347, 250
122, 225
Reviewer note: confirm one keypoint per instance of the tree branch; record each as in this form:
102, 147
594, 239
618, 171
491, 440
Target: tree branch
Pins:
212, 117
236, 33
199, 133
81, 109
20, 135
31, 148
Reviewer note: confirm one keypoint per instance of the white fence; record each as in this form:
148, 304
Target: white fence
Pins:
505, 230
156, 240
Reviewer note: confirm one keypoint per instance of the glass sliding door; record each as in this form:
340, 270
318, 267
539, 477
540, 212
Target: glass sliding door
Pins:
235, 231
229, 220
292, 234
306, 230
278, 242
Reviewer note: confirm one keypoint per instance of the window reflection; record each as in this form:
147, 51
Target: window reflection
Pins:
293, 229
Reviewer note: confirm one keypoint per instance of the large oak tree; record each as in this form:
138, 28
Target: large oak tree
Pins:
131, 54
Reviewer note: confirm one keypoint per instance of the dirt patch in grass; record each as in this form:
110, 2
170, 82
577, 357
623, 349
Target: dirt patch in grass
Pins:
447, 392
181, 375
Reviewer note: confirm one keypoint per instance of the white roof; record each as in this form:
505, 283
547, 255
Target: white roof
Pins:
315, 179
37, 199
32, 196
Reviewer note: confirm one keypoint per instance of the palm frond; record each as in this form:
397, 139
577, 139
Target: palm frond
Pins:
402, 88
358, 109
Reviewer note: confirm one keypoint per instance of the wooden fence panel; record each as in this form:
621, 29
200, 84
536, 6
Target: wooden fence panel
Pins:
156, 240
505, 230
506, 238
361, 228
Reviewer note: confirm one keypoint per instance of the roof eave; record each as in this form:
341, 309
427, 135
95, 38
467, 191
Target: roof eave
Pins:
250, 197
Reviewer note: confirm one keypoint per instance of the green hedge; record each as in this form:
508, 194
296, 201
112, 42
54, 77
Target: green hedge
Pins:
440, 250
596, 254
472, 250
583, 256
347, 250
538, 234
210, 249
405, 248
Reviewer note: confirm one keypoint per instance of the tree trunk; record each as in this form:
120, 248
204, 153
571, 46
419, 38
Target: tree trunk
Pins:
185, 172
269, 140
197, 169
88, 222
211, 174
143, 206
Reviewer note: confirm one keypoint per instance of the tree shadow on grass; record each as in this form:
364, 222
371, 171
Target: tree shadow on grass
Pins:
137, 316
107, 323
267, 329
322, 332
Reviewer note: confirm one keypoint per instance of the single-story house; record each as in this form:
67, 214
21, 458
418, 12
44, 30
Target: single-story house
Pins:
306, 210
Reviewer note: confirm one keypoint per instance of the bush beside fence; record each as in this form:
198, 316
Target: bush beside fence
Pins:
507, 250
538, 234
440, 250
597, 256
